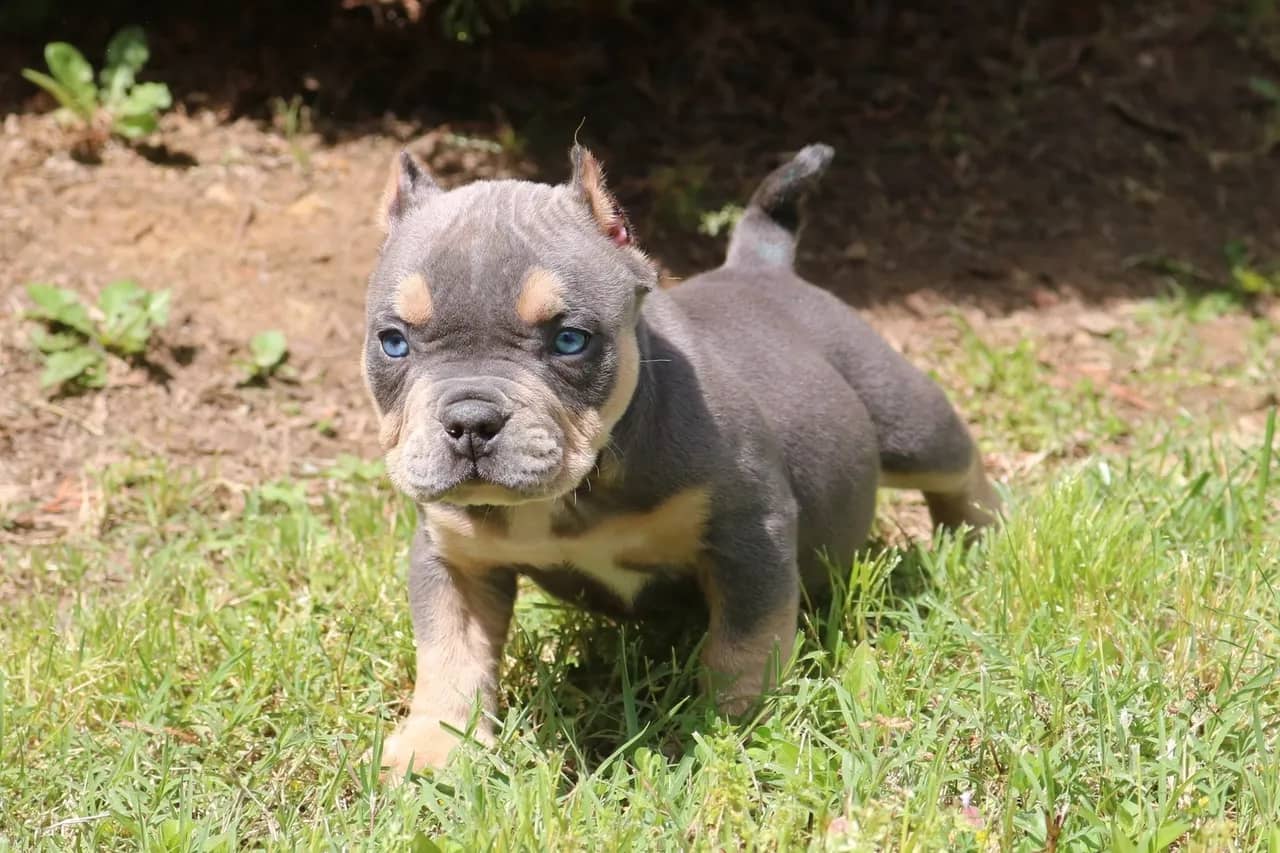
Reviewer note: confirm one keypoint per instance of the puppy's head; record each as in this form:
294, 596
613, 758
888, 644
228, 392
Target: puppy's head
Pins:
501, 341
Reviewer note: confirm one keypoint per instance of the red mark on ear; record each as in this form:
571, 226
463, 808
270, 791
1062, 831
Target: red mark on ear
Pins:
616, 229
619, 234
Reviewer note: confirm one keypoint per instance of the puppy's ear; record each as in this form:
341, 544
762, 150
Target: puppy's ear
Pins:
409, 186
588, 183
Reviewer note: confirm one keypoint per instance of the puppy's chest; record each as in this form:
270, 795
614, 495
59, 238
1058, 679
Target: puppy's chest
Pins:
605, 559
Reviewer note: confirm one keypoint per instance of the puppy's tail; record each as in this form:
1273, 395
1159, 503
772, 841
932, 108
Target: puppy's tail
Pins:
766, 234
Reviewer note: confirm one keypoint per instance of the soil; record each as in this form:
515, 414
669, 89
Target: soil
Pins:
1022, 163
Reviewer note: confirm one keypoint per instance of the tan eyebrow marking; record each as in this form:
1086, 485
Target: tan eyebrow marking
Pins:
541, 296
413, 300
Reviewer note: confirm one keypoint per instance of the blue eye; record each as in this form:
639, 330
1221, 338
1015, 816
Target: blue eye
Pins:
570, 341
394, 344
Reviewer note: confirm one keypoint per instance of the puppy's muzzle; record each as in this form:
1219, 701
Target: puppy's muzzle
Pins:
480, 439
472, 424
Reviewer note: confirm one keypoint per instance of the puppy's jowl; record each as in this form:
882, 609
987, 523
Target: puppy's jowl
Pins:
553, 414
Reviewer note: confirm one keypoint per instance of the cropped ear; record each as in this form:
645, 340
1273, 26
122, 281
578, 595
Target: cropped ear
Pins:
409, 186
588, 183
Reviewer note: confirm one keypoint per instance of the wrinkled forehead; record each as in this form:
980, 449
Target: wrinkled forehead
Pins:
476, 248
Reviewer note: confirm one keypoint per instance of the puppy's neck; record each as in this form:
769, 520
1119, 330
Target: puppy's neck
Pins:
639, 415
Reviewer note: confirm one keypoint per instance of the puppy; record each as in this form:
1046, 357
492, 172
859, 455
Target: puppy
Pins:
553, 414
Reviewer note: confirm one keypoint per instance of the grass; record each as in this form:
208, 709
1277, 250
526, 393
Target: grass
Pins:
213, 671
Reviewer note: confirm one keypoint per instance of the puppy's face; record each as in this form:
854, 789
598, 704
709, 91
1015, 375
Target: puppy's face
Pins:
501, 341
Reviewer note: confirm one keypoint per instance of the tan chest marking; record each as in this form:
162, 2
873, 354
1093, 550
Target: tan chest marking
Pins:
614, 552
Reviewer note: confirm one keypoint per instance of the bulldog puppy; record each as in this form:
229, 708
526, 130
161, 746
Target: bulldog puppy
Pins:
554, 414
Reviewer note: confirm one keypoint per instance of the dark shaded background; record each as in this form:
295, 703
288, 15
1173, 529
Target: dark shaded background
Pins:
984, 150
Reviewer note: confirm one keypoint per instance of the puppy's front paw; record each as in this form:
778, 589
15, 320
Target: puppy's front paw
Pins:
737, 674
419, 743
734, 694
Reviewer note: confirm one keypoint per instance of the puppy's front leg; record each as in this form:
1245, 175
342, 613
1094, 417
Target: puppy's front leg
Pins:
460, 623
752, 585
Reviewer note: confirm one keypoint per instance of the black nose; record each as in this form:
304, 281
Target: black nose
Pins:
472, 424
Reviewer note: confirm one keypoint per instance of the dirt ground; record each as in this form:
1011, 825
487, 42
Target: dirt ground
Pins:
1027, 169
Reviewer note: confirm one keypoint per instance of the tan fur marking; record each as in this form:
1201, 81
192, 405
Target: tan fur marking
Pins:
964, 497
388, 193
588, 433
445, 517
396, 427
668, 536
925, 481
603, 206
457, 666
413, 300
541, 297
389, 430
624, 387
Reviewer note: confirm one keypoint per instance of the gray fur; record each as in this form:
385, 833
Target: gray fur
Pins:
753, 384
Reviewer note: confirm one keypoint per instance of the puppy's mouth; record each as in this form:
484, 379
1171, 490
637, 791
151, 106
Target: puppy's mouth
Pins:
476, 490
502, 481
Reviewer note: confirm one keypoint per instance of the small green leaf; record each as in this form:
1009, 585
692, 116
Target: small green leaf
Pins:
73, 71
1265, 88
1251, 281
146, 99
130, 314
158, 308
292, 495
137, 113
862, 678
1170, 833
61, 306
48, 342
268, 349
117, 296
1120, 843
422, 844
60, 93
116, 81
127, 49
714, 222
128, 333
134, 127
67, 365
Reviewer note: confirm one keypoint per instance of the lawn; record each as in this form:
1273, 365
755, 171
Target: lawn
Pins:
214, 669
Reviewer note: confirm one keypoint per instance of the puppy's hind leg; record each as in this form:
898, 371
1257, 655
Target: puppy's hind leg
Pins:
961, 497
924, 445
922, 440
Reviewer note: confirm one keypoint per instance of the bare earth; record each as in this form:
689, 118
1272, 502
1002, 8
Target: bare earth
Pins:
1023, 205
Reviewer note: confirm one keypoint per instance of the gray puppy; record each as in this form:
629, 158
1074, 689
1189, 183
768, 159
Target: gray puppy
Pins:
554, 414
